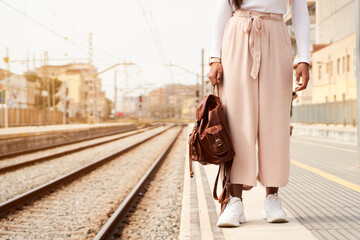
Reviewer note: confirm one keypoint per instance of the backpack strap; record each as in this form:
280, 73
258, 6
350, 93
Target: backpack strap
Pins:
190, 167
225, 193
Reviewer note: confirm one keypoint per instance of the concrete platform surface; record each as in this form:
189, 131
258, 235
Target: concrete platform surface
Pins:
38, 130
338, 132
200, 212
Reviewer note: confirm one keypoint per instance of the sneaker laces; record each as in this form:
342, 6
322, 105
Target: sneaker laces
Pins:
233, 201
274, 200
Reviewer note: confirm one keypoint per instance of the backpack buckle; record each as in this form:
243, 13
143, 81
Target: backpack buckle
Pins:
218, 142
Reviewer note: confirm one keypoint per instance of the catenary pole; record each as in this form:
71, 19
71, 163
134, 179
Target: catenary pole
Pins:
202, 73
6, 87
357, 55
115, 96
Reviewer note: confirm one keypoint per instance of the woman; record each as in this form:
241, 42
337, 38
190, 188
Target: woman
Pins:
251, 60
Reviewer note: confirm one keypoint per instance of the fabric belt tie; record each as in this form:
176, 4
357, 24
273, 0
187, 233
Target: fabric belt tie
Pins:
254, 25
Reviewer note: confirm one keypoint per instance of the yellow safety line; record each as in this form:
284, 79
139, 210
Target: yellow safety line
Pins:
323, 145
326, 175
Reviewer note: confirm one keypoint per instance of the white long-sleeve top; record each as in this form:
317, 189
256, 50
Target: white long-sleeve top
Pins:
300, 21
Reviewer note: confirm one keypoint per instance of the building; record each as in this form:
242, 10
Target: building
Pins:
84, 95
17, 90
334, 20
334, 72
168, 101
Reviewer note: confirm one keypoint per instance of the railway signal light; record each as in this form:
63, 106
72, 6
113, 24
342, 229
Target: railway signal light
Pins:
197, 94
2, 96
140, 101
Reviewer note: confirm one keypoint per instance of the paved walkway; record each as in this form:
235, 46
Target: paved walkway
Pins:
200, 212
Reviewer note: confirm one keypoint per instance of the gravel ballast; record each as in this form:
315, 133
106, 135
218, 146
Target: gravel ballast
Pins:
24, 179
79, 209
157, 216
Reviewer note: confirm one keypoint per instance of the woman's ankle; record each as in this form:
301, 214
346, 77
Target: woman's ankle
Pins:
271, 190
236, 190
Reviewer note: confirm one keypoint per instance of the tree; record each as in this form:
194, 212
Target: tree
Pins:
109, 105
43, 85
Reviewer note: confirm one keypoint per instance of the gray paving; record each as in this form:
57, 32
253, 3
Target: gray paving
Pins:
327, 209
194, 212
332, 157
217, 233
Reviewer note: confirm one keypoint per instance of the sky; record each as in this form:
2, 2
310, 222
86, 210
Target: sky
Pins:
121, 33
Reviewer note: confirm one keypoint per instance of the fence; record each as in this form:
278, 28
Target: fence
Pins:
30, 116
338, 112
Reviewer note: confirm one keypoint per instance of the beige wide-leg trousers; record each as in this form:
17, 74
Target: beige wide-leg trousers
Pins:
256, 94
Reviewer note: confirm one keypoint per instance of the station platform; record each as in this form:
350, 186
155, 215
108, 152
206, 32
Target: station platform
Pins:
13, 132
320, 202
337, 132
15, 139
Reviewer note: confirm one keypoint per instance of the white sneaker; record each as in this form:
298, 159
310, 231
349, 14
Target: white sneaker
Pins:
273, 211
233, 213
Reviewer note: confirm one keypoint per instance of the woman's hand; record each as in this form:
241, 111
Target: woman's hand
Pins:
302, 70
215, 74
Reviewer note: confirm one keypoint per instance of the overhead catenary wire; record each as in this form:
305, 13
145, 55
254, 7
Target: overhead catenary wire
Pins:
45, 27
84, 38
146, 10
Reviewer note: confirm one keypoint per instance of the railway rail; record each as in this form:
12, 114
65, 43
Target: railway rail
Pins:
111, 226
36, 149
15, 166
19, 200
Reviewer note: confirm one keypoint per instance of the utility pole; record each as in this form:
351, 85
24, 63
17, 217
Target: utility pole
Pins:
95, 101
53, 93
47, 82
64, 102
357, 26
91, 54
6, 87
115, 96
34, 62
126, 86
94, 76
94, 108
202, 73
27, 61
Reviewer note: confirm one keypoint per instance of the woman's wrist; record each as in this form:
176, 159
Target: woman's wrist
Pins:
214, 59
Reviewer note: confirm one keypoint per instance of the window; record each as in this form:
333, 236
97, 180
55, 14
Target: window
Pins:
343, 64
348, 63
338, 66
327, 67
319, 72
330, 69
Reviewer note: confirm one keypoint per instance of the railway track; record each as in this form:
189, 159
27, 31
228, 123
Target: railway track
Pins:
17, 165
38, 191
31, 150
14, 223
113, 226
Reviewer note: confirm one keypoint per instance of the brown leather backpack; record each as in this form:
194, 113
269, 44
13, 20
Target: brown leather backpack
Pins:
210, 142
